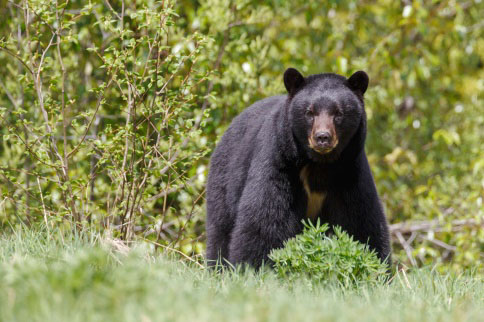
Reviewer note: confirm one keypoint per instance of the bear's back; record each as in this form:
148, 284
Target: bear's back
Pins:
231, 160
243, 132
253, 117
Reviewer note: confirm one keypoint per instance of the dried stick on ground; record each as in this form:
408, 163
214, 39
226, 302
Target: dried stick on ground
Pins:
414, 229
434, 225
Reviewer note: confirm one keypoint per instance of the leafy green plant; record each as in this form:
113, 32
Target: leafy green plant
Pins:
326, 258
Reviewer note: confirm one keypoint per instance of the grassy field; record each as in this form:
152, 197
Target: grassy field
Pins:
53, 277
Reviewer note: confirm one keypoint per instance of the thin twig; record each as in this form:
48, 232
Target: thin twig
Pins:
18, 58
176, 251
98, 104
43, 204
406, 247
440, 243
406, 278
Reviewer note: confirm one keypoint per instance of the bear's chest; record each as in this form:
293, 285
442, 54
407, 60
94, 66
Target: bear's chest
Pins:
315, 198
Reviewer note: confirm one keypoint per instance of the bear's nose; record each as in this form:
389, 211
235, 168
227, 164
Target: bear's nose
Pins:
323, 139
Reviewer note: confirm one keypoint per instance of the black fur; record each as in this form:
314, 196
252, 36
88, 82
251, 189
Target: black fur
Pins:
255, 197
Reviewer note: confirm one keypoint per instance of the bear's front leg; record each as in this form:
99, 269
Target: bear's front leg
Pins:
266, 218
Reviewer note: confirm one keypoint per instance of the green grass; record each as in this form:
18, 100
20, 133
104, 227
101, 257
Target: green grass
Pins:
53, 277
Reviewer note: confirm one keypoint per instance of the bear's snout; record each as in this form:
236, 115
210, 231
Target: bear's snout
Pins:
323, 140
323, 137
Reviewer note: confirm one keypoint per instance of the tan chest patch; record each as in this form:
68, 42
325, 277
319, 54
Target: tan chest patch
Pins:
315, 198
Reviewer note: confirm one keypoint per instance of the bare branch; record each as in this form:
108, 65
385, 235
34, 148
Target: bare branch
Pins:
440, 243
434, 225
407, 248
98, 104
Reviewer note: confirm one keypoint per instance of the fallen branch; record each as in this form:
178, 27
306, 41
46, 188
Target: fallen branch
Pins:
406, 246
418, 229
435, 226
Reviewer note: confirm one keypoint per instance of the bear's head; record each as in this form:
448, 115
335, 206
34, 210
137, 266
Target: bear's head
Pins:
327, 113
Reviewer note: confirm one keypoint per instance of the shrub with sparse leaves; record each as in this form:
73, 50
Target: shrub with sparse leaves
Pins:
102, 129
328, 258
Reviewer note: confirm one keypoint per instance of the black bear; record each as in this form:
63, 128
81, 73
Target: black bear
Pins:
291, 157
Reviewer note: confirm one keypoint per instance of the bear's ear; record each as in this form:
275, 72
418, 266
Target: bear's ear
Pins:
293, 80
358, 82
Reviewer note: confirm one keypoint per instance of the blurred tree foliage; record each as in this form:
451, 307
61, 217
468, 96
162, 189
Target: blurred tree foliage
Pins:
109, 109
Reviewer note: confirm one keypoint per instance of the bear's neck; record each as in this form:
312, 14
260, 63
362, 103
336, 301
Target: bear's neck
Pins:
356, 146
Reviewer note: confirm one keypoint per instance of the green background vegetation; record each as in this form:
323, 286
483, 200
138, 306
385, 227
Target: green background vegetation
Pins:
109, 111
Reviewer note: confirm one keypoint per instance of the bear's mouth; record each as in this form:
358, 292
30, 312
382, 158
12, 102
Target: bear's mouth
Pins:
322, 149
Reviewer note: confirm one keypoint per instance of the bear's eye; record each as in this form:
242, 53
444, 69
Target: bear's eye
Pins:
338, 117
309, 114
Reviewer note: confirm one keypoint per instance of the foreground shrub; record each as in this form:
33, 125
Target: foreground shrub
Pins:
328, 258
